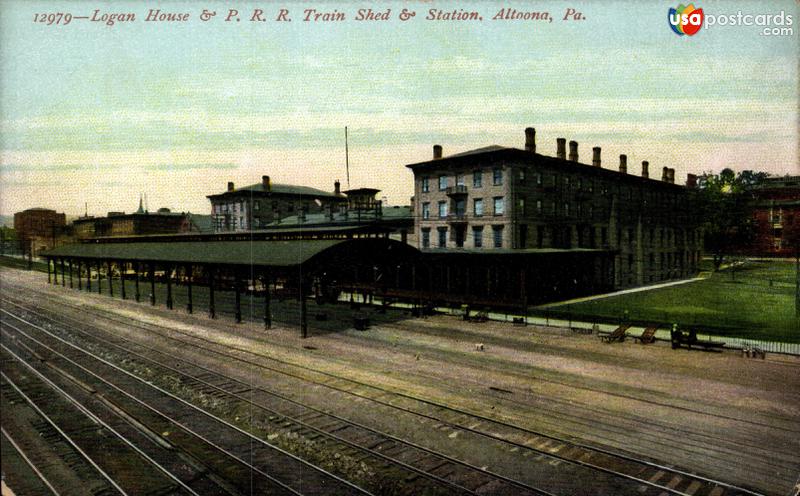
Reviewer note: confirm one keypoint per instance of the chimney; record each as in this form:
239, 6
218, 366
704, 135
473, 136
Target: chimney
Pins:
561, 148
437, 151
596, 156
623, 164
691, 181
645, 169
672, 176
530, 140
265, 183
230, 186
337, 188
665, 174
573, 151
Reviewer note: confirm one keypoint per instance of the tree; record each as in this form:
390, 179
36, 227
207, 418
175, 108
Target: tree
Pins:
723, 202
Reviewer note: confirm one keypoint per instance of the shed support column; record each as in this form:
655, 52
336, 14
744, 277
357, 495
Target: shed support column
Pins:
88, 276
70, 273
168, 274
110, 276
267, 312
49, 277
212, 311
99, 279
189, 288
136, 293
152, 270
122, 270
236, 284
55, 271
63, 279
523, 294
80, 281
303, 312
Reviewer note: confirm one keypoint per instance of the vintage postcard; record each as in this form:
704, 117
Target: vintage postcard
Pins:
401, 247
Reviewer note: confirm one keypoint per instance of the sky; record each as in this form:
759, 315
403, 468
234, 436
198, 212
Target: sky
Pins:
92, 115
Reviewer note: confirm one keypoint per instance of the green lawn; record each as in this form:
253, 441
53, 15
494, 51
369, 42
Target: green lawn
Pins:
756, 301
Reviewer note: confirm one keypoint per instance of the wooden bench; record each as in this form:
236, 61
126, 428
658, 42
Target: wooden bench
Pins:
648, 336
617, 335
680, 338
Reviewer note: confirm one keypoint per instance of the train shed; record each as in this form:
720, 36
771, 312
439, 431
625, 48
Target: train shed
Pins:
298, 267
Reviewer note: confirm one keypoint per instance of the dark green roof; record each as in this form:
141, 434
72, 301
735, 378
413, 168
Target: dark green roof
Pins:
512, 251
272, 253
281, 189
352, 218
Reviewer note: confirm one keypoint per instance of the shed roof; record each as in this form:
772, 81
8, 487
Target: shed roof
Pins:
266, 253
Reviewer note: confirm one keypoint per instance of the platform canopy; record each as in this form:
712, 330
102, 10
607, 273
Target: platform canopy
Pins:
273, 253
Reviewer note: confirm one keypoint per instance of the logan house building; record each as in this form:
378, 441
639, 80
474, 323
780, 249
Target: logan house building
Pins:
517, 200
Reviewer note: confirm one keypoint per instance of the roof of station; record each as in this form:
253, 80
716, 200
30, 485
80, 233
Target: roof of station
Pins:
274, 253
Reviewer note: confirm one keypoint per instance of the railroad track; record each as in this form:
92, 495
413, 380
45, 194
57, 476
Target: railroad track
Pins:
269, 470
425, 467
651, 476
83, 442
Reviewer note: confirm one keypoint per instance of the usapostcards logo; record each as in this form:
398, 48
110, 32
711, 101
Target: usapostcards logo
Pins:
685, 20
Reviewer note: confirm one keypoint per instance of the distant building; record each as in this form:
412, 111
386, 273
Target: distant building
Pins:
508, 199
256, 206
776, 206
361, 209
40, 224
138, 223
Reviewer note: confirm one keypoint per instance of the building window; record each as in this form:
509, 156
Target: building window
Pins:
442, 237
225, 207
460, 180
274, 206
539, 236
426, 210
256, 205
460, 207
566, 209
426, 238
553, 207
566, 182
241, 222
538, 206
442, 209
499, 205
630, 236
579, 209
477, 204
538, 179
477, 179
442, 183
580, 183
591, 212
497, 176
523, 235
477, 236
497, 233
521, 206
522, 175
426, 185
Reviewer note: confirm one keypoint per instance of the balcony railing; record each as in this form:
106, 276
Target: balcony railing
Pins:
456, 217
459, 189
